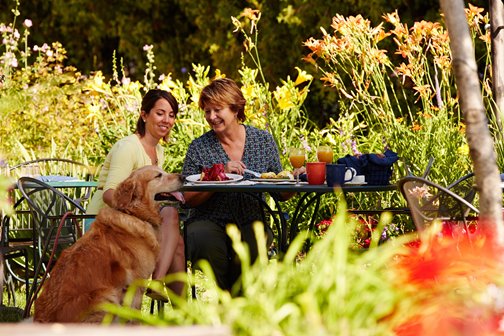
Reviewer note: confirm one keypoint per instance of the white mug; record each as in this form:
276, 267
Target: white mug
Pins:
350, 173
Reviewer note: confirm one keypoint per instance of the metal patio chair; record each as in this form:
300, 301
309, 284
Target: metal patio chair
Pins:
465, 187
56, 219
54, 169
10, 253
429, 201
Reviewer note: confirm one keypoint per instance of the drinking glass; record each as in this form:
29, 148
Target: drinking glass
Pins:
325, 154
297, 159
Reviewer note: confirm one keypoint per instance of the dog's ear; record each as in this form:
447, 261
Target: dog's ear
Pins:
127, 192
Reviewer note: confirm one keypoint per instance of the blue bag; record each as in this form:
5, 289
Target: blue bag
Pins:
377, 168
358, 163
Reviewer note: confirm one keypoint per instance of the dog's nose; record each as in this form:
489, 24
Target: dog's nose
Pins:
181, 178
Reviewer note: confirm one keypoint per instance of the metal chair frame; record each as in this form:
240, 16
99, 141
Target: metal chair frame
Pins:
444, 204
58, 166
47, 208
464, 187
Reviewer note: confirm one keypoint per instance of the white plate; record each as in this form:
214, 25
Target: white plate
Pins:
272, 180
232, 178
355, 183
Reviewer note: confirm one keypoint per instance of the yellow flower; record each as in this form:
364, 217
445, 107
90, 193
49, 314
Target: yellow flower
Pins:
168, 83
248, 91
97, 83
463, 150
219, 74
302, 77
284, 98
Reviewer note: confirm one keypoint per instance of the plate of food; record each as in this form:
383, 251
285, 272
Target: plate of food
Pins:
213, 175
283, 176
196, 178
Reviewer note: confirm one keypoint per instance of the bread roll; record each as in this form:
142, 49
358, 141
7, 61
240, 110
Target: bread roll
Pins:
285, 175
268, 175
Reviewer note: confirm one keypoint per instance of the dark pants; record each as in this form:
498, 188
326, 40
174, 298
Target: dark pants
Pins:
208, 240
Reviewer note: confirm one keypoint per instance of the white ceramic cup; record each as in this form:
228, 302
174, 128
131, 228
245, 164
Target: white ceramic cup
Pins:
350, 173
359, 179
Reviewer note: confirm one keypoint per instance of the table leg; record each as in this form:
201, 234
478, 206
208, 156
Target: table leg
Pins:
280, 221
304, 202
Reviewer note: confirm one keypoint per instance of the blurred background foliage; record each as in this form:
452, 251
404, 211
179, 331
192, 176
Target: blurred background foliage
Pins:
386, 83
186, 32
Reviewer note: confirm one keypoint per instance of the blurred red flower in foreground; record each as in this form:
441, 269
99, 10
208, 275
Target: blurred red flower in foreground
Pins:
454, 284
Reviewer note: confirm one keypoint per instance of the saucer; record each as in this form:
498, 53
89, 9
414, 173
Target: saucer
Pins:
355, 183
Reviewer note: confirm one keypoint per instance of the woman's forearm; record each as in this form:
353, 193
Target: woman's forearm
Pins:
108, 197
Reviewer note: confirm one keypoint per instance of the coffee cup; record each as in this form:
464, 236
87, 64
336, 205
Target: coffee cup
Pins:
316, 172
359, 179
336, 174
350, 173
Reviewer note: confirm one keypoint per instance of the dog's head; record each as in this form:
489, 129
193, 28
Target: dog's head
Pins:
135, 195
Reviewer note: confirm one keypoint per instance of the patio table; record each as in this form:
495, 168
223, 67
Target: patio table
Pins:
309, 194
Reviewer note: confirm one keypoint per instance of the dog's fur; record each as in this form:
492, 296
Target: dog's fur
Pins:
121, 246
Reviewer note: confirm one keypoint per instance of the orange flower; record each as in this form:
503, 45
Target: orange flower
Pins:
416, 127
251, 14
473, 14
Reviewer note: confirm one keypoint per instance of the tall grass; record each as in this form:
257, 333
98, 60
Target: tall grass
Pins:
333, 290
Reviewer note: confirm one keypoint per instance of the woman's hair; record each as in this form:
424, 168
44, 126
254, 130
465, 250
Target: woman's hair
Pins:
223, 92
148, 102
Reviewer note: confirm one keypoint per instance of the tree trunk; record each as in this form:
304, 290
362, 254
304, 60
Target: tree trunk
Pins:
471, 103
497, 38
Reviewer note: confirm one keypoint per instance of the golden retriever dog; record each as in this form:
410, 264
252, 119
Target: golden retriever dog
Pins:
121, 246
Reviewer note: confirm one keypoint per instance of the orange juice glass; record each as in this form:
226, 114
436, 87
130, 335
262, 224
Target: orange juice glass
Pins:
297, 159
325, 154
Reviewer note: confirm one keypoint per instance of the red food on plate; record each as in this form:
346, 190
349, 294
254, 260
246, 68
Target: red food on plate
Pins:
214, 173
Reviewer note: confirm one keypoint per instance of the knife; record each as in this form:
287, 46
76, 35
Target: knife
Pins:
252, 173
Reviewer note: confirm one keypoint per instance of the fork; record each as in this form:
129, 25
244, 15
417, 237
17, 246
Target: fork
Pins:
252, 173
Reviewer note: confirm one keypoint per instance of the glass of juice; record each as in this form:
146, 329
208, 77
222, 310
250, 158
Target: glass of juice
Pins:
297, 159
325, 154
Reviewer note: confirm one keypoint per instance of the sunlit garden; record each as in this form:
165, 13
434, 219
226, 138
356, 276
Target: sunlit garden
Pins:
363, 275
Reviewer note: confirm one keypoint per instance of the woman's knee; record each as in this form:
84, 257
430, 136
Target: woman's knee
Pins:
206, 240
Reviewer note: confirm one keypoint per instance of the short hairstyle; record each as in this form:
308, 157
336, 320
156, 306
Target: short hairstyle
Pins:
222, 92
148, 102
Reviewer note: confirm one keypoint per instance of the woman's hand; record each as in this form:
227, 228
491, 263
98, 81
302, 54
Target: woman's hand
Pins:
299, 171
235, 167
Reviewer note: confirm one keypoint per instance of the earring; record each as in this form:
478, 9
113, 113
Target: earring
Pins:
143, 120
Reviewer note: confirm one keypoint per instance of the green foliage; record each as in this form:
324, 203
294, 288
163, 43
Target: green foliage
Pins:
334, 290
408, 100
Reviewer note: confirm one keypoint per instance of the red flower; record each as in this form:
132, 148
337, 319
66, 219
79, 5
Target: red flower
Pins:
446, 278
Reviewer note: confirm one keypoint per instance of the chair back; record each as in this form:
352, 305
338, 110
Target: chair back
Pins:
464, 187
52, 166
46, 169
425, 172
429, 201
47, 207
